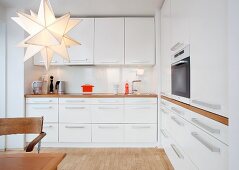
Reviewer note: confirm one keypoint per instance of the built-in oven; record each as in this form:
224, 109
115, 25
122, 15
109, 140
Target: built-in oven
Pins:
180, 72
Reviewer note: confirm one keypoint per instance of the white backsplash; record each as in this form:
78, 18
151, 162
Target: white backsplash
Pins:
102, 77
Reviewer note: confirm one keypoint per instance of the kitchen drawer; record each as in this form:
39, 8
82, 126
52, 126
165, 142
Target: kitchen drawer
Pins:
141, 113
206, 152
74, 132
216, 129
107, 133
165, 103
72, 113
179, 159
141, 100
108, 101
179, 110
42, 100
141, 133
48, 111
165, 118
107, 114
51, 130
75, 100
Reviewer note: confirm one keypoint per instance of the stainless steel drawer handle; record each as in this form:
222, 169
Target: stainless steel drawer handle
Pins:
53, 61
76, 61
73, 127
50, 126
164, 134
108, 108
75, 107
208, 145
175, 149
177, 121
46, 101
205, 127
162, 110
108, 101
108, 127
75, 101
163, 103
178, 111
50, 107
208, 105
141, 127
109, 62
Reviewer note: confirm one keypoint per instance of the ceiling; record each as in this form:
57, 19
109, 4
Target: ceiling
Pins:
91, 7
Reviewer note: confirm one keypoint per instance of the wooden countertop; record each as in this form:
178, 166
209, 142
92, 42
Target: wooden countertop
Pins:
210, 115
93, 95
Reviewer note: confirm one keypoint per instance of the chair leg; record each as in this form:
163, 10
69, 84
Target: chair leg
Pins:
39, 147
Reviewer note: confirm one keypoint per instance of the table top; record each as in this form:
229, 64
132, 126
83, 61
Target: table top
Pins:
31, 161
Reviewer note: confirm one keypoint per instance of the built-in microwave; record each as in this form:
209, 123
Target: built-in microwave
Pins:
180, 75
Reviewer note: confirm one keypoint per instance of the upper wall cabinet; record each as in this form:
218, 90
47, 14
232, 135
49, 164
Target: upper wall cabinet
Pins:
208, 49
180, 24
139, 41
165, 60
56, 60
109, 41
83, 33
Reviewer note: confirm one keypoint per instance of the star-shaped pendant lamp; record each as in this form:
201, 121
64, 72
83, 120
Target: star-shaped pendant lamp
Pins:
47, 34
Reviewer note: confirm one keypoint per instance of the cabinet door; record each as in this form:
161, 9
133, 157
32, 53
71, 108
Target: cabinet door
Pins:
83, 33
208, 25
56, 60
180, 24
165, 49
109, 41
139, 41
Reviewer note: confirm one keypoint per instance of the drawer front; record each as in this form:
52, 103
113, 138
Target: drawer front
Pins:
42, 100
75, 100
109, 101
141, 100
51, 130
165, 115
74, 113
48, 111
216, 129
74, 132
141, 133
202, 148
165, 103
107, 133
107, 114
141, 113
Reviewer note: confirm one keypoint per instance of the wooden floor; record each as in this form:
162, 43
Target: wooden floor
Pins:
113, 159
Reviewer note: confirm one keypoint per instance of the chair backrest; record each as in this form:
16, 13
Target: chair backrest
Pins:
31, 125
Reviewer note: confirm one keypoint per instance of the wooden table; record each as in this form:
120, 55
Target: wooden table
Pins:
31, 161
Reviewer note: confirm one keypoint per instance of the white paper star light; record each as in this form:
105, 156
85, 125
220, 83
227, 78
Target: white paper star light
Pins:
47, 34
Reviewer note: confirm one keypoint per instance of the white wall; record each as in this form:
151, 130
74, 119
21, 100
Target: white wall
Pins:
15, 76
233, 84
102, 77
2, 14
2, 71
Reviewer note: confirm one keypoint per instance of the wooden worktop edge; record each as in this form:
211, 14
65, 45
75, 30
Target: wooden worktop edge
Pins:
90, 96
210, 115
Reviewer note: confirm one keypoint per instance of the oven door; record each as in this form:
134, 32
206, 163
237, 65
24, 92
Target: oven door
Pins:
181, 78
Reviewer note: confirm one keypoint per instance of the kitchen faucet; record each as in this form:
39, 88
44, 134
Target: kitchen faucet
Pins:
134, 90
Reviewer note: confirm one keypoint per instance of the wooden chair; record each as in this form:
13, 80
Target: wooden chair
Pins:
31, 125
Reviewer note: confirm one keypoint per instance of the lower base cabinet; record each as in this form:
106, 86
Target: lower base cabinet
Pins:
74, 132
107, 133
140, 133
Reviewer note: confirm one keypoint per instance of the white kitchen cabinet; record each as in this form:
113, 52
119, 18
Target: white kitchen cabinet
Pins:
74, 132
83, 33
107, 114
165, 58
109, 41
48, 111
139, 41
179, 24
208, 50
141, 113
141, 133
74, 113
51, 129
107, 133
56, 60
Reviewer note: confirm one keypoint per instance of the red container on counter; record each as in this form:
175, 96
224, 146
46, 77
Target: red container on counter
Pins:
87, 88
